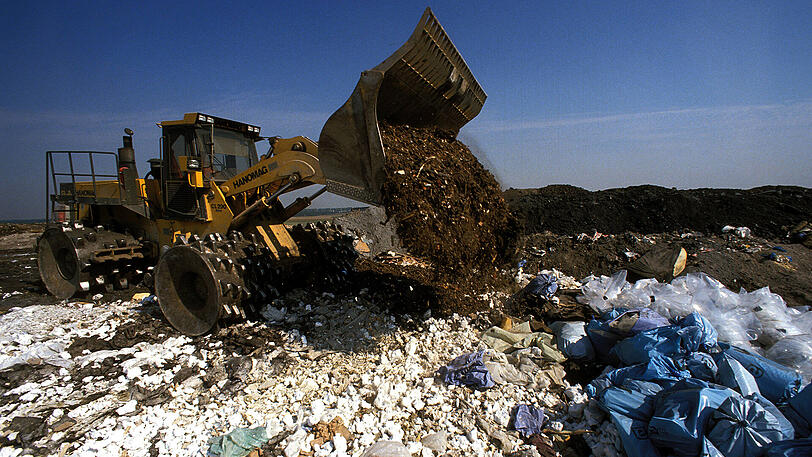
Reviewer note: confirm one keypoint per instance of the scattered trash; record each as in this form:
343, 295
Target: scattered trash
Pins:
661, 262
780, 258
521, 336
527, 419
751, 320
572, 340
741, 232
140, 296
802, 233
387, 449
543, 285
239, 442
467, 370
51, 352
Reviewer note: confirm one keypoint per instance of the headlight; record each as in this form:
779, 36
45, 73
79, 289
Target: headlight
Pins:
201, 118
193, 164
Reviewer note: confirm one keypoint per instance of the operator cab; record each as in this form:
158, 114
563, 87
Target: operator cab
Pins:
198, 150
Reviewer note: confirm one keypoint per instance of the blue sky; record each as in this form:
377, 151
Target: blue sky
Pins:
594, 94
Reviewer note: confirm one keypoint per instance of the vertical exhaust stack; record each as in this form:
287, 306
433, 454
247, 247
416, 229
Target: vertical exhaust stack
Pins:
425, 83
128, 171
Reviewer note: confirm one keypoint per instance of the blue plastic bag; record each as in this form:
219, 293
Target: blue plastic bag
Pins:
701, 365
742, 428
630, 411
732, 374
681, 414
659, 369
692, 334
572, 340
787, 429
707, 336
602, 336
775, 381
527, 419
799, 412
543, 285
790, 448
467, 370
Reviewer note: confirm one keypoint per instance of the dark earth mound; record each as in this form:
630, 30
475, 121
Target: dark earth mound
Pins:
736, 262
567, 210
448, 207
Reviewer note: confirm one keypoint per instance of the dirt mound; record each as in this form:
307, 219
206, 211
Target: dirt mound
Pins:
569, 210
449, 208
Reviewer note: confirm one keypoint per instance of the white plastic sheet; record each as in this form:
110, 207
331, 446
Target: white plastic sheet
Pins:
758, 320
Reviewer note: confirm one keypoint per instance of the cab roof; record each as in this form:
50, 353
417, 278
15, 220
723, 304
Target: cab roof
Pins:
201, 119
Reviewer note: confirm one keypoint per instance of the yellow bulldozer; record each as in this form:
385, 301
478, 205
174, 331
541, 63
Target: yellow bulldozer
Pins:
205, 226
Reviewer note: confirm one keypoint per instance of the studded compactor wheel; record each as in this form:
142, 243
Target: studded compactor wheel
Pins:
74, 259
200, 282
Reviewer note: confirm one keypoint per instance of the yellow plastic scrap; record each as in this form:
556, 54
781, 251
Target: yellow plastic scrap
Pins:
521, 337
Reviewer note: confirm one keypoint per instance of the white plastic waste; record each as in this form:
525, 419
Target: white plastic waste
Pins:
757, 320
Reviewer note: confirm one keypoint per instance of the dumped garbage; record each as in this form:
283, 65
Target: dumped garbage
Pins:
543, 285
741, 232
239, 442
742, 428
387, 449
674, 387
572, 340
467, 370
663, 263
521, 336
756, 321
802, 233
527, 419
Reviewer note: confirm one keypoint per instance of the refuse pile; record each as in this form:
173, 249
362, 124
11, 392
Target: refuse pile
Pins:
448, 207
685, 375
758, 321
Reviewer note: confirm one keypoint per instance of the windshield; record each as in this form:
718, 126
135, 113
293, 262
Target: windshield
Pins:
233, 152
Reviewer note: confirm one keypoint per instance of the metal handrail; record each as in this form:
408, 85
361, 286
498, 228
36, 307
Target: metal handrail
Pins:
50, 169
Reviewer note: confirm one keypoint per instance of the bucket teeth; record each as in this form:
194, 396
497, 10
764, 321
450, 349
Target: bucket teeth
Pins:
99, 280
84, 285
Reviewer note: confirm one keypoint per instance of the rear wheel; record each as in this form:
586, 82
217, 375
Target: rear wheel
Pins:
58, 263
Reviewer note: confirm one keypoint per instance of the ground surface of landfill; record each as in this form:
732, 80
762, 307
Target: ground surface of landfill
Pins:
335, 372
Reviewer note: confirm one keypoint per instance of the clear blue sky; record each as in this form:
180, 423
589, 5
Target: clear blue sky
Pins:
598, 95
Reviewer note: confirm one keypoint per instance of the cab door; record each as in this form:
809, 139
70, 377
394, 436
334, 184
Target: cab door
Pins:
179, 155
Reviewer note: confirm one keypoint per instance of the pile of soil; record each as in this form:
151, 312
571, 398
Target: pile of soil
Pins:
736, 262
567, 210
448, 207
